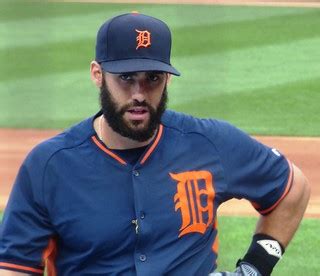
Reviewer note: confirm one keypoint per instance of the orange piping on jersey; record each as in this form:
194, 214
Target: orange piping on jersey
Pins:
49, 256
215, 245
289, 184
109, 152
155, 143
215, 223
255, 205
21, 267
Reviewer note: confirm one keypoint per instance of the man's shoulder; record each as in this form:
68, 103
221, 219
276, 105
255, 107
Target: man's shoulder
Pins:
68, 139
189, 124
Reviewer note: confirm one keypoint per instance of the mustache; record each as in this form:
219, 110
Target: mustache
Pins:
136, 103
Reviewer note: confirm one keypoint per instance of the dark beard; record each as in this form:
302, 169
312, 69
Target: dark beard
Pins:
114, 115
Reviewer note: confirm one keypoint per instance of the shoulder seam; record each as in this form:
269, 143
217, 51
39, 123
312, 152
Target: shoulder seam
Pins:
215, 147
47, 162
204, 136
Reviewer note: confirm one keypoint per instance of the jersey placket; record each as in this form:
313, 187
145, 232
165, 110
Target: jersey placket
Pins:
141, 223
141, 220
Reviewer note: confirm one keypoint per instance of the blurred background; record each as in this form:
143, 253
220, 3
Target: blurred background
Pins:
257, 67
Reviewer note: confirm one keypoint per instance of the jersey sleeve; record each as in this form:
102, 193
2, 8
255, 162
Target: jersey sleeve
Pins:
25, 230
252, 170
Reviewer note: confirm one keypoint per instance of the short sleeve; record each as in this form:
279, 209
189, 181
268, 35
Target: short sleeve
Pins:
253, 170
25, 231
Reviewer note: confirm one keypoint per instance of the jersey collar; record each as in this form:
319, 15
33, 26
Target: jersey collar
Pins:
145, 156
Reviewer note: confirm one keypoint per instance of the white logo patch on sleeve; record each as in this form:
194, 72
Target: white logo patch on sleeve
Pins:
272, 247
276, 152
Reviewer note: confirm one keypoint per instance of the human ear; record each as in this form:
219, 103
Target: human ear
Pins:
169, 76
96, 73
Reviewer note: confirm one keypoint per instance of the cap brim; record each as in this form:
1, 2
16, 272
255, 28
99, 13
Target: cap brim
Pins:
137, 65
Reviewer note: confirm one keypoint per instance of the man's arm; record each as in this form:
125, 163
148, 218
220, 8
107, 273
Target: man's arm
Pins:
11, 273
284, 220
275, 230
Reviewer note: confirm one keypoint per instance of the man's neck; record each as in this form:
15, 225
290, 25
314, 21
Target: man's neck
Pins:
114, 140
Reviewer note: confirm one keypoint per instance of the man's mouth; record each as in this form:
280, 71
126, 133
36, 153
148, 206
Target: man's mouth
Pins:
138, 110
138, 113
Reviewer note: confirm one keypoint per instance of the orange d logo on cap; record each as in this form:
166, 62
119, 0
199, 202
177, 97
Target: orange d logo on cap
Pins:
143, 39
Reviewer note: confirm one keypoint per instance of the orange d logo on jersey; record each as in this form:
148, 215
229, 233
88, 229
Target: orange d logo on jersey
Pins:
143, 39
194, 198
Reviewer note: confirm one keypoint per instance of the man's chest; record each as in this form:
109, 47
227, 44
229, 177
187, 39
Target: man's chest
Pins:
149, 217
103, 208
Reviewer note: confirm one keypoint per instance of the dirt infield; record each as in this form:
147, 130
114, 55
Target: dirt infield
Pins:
304, 152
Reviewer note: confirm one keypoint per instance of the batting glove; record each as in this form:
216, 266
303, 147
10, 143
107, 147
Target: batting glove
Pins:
243, 269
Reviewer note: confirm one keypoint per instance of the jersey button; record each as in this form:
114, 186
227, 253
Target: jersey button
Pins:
136, 173
143, 258
142, 215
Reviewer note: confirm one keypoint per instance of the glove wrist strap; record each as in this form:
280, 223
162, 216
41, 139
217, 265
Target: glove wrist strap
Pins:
263, 253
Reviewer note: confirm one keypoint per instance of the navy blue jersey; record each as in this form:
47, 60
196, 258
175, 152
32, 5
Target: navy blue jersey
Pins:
79, 208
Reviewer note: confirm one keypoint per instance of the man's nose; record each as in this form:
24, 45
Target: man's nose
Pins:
139, 91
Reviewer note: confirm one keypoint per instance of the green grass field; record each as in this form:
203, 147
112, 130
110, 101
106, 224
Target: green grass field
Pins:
300, 258
255, 67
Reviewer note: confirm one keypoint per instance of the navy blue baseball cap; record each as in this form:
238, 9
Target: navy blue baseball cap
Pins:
134, 42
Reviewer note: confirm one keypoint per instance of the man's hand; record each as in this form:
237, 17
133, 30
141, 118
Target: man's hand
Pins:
247, 269
244, 269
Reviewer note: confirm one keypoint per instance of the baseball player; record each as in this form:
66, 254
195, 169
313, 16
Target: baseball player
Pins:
134, 190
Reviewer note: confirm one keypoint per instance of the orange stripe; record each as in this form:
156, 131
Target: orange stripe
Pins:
109, 152
215, 245
49, 257
215, 223
21, 267
155, 143
289, 183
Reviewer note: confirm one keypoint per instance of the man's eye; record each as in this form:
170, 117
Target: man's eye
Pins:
126, 77
153, 77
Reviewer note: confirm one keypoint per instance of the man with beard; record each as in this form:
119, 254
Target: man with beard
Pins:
134, 190
144, 118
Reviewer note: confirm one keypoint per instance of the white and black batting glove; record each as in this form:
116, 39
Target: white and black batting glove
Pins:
243, 269
262, 256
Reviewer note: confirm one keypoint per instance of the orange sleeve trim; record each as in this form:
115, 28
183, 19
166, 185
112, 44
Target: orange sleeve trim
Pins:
21, 267
49, 257
155, 143
286, 191
215, 245
109, 152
